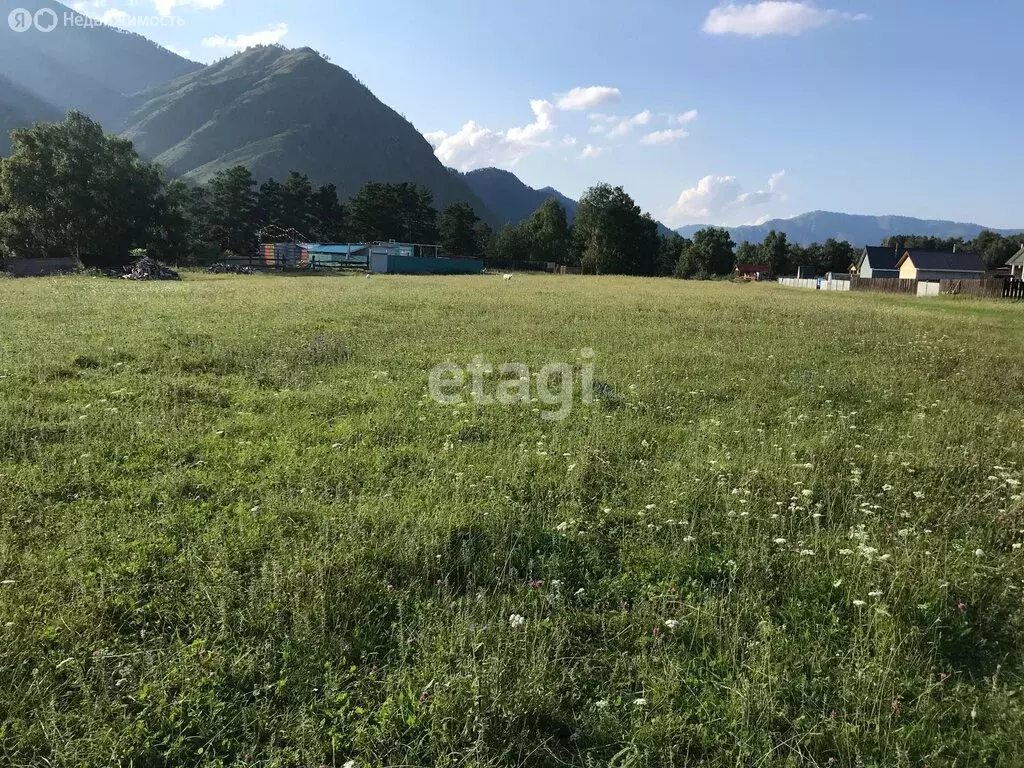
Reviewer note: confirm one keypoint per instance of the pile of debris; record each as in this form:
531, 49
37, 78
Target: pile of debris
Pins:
230, 269
148, 268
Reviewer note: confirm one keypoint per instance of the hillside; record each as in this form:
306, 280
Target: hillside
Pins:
92, 69
277, 110
19, 108
818, 226
510, 199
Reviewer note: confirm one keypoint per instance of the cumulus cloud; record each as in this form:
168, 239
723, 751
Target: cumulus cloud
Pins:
664, 137
685, 117
474, 146
269, 36
616, 127
773, 17
587, 97
719, 199
166, 7
568, 141
590, 151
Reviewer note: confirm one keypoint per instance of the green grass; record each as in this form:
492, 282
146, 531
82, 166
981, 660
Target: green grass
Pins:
235, 531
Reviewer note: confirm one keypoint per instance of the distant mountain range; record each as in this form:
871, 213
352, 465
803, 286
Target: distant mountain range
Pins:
818, 226
276, 110
509, 198
271, 109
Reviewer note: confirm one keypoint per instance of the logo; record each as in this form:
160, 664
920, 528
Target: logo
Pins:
22, 20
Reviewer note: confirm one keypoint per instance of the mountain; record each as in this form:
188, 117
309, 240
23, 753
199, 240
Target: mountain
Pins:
276, 110
19, 108
510, 199
90, 68
818, 226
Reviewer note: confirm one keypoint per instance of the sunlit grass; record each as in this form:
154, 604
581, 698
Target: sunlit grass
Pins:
235, 530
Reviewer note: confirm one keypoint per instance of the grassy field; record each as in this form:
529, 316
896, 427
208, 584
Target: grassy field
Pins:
235, 530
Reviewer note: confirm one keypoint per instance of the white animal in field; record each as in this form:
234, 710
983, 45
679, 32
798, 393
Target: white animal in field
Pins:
507, 278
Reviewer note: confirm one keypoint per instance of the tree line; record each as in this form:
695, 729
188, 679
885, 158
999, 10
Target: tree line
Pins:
68, 189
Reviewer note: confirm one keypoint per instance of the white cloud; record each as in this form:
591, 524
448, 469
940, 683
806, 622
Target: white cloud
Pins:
717, 199
627, 124
269, 36
568, 141
590, 96
664, 137
474, 146
166, 7
108, 14
685, 117
773, 17
590, 151
184, 52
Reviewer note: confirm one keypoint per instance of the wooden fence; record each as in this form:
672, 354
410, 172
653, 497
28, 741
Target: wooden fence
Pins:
1013, 288
987, 288
883, 285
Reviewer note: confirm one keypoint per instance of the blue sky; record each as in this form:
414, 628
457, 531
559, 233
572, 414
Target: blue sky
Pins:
705, 111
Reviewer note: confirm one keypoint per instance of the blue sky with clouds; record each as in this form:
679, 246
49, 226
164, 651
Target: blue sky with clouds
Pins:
706, 111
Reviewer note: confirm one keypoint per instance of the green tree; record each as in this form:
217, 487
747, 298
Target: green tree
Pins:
748, 253
775, 252
511, 244
330, 218
297, 205
612, 235
836, 256
710, 253
403, 212
670, 251
994, 249
549, 233
233, 211
67, 189
270, 206
457, 225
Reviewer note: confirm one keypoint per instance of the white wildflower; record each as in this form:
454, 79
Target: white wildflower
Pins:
780, 541
859, 603
979, 553
640, 702
672, 624
516, 621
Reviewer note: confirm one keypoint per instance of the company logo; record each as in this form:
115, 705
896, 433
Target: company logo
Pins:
47, 20
43, 20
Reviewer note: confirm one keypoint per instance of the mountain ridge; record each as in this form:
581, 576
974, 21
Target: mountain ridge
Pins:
858, 229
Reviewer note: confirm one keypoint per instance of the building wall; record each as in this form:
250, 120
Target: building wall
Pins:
908, 271
865, 268
923, 274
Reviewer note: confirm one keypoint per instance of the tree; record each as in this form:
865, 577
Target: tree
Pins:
270, 205
330, 218
549, 233
670, 251
836, 256
512, 243
711, 253
775, 252
484, 237
233, 210
748, 253
296, 199
457, 225
612, 235
404, 212
994, 249
67, 189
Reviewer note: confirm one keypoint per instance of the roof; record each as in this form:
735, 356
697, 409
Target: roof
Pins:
944, 261
1017, 259
342, 249
880, 257
753, 268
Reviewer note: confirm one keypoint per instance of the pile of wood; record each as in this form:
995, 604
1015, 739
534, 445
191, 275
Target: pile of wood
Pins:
230, 269
148, 268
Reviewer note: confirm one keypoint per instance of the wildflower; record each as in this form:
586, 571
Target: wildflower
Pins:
640, 702
979, 553
536, 584
918, 494
859, 603
876, 593
562, 527
601, 704
688, 539
886, 487
780, 541
556, 584
807, 492
806, 553
516, 621
837, 583
845, 551
885, 558
580, 592
672, 624
961, 606
1018, 545
349, 764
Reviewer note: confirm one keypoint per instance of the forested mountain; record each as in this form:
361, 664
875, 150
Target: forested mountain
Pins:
92, 69
510, 199
276, 110
819, 226
19, 108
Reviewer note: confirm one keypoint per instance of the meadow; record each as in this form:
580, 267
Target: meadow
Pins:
236, 530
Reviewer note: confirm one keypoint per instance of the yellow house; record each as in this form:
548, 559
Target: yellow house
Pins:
940, 265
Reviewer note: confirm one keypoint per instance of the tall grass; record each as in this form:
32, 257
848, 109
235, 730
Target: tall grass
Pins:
236, 531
